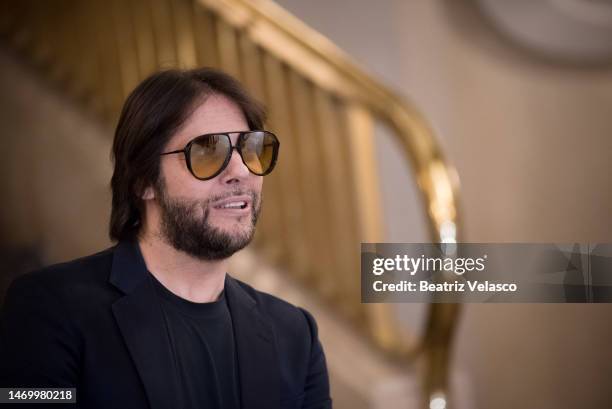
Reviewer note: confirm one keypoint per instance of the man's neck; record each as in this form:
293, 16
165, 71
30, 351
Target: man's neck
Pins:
186, 276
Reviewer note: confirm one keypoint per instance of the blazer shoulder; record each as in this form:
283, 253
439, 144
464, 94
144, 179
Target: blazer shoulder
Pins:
64, 276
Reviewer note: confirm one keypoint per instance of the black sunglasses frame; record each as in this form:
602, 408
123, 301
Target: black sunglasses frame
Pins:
187, 152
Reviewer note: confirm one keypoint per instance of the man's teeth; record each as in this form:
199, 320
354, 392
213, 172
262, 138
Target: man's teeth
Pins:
233, 205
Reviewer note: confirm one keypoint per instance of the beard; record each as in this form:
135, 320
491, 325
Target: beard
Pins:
185, 225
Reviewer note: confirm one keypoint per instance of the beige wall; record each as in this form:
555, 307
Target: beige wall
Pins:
532, 143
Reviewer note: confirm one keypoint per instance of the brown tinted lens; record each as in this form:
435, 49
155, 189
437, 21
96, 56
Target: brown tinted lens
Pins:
258, 151
208, 153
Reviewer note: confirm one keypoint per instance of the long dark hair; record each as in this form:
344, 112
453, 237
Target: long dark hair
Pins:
154, 110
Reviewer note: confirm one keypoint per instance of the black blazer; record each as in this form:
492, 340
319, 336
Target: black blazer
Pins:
96, 324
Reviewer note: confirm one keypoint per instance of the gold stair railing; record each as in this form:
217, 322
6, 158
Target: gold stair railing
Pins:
324, 198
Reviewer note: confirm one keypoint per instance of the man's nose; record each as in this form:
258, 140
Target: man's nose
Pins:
236, 169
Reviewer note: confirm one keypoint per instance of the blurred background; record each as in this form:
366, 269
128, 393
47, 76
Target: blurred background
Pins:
401, 121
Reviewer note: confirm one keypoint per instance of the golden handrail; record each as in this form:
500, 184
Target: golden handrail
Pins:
324, 199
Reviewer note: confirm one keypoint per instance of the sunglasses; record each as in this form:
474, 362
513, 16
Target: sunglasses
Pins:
207, 155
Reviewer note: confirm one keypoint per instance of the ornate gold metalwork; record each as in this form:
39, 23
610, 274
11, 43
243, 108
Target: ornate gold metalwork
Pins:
324, 199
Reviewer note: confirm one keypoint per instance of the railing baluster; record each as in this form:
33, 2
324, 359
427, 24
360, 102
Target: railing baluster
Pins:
228, 48
142, 21
182, 23
125, 41
109, 81
334, 159
295, 255
313, 180
163, 34
86, 56
205, 37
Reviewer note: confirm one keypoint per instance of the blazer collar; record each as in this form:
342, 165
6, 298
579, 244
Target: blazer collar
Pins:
140, 320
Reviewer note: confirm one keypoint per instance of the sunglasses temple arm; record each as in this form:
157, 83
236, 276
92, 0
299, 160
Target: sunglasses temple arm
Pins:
168, 153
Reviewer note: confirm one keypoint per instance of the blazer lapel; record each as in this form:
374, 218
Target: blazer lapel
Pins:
141, 323
256, 350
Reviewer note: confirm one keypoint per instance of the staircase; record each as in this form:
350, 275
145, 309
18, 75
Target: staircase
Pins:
324, 109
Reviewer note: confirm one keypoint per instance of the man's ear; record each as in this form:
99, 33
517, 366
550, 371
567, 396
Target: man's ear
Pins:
148, 194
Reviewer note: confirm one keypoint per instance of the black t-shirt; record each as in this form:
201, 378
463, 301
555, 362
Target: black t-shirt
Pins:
202, 341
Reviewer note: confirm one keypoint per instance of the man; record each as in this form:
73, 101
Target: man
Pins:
155, 321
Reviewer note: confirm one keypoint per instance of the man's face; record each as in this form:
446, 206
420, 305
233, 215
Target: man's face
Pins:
190, 216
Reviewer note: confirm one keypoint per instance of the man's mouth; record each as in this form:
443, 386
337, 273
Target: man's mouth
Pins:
233, 205
236, 203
